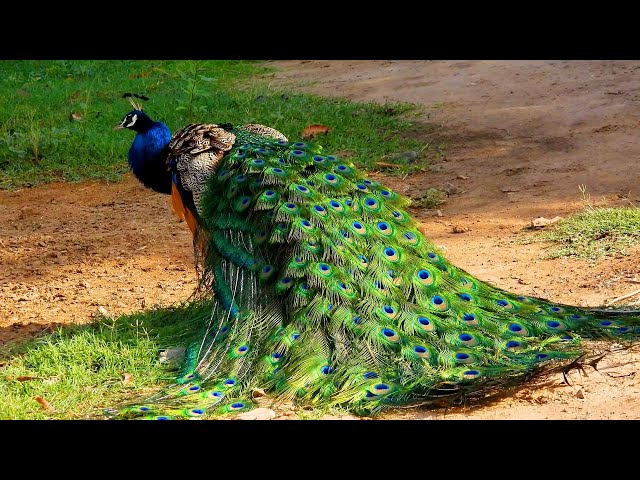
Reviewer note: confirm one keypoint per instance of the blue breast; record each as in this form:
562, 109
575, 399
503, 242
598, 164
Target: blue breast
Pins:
148, 157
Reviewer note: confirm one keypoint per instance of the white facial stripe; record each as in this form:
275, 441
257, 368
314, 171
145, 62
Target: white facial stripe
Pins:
133, 121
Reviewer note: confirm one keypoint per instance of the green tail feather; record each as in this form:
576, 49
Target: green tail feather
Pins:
325, 292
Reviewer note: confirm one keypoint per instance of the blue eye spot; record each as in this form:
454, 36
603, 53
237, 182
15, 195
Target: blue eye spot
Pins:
462, 356
605, 323
553, 324
387, 332
383, 226
389, 252
278, 170
465, 337
555, 309
243, 349
424, 274
370, 375
514, 327
342, 168
438, 300
385, 193
466, 297
513, 344
357, 320
388, 309
503, 303
229, 382
541, 356
330, 176
419, 349
144, 409
468, 317
432, 255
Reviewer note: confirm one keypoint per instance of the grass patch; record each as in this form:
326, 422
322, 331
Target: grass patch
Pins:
81, 370
594, 233
56, 116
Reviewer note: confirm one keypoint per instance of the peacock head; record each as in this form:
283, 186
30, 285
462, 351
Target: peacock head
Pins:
135, 120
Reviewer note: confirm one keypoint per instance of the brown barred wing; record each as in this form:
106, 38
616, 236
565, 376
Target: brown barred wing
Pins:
195, 152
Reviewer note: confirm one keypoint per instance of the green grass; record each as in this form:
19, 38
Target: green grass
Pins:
57, 116
81, 370
594, 233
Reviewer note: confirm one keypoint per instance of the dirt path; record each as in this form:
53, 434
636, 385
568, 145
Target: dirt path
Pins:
521, 136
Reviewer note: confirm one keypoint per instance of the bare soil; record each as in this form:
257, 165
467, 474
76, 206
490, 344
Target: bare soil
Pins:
520, 137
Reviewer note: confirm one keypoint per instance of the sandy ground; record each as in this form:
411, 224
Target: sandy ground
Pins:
520, 137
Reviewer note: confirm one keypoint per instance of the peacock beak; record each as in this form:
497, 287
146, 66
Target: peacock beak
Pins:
118, 127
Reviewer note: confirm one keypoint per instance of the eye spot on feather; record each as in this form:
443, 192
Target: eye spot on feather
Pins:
421, 351
241, 178
465, 296
541, 356
229, 382
518, 329
326, 370
370, 375
463, 357
469, 318
512, 345
194, 388
357, 320
302, 188
389, 311
385, 193
237, 406
468, 340
299, 144
390, 335
362, 187
470, 374
425, 323
439, 302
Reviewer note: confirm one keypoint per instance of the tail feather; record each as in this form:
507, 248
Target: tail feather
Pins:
326, 292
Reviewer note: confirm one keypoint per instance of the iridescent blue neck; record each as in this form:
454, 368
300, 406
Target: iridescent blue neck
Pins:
148, 157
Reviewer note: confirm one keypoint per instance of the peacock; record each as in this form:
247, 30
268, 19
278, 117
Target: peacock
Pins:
323, 290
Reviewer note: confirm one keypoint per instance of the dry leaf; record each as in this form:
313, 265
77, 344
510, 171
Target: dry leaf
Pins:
45, 405
313, 130
126, 377
24, 378
542, 222
387, 165
76, 116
